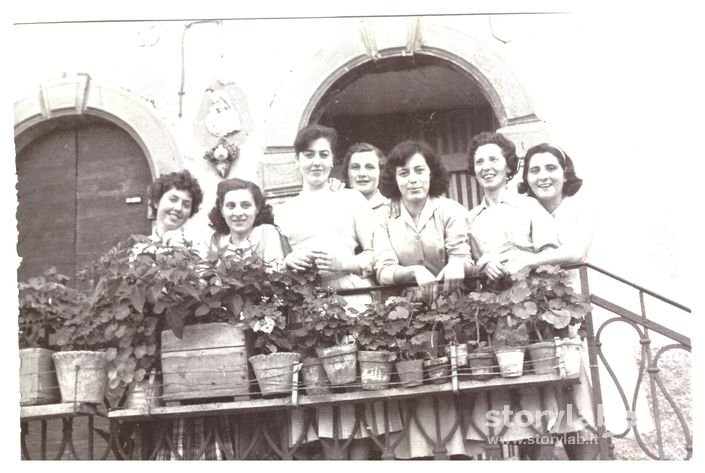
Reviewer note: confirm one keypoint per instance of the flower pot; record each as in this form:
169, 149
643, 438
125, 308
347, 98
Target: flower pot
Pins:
461, 354
274, 372
481, 365
208, 361
38, 384
314, 376
410, 372
437, 370
543, 357
375, 369
510, 361
570, 350
340, 363
142, 395
82, 375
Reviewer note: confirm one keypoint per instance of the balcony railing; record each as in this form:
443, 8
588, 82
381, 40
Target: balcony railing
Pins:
259, 428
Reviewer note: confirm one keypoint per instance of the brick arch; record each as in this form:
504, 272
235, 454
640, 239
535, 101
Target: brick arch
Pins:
79, 95
293, 105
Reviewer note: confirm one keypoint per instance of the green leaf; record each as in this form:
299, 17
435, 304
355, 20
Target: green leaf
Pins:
137, 297
122, 312
202, 310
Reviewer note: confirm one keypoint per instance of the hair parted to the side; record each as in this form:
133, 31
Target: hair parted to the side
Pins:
181, 180
362, 148
504, 143
400, 155
572, 182
264, 210
311, 133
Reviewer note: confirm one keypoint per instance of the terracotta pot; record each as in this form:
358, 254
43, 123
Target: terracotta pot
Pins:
437, 370
340, 363
38, 384
410, 372
375, 369
543, 357
274, 372
82, 375
510, 361
314, 376
482, 365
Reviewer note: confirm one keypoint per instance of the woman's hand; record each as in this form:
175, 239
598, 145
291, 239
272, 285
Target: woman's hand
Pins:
494, 270
327, 261
452, 275
426, 282
299, 259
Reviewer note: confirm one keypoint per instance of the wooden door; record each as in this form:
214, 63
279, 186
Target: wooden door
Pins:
81, 188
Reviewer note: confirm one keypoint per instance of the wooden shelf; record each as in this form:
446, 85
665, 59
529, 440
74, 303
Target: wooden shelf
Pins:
259, 405
56, 411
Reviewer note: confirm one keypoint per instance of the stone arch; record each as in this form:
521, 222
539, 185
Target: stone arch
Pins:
79, 95
294, 103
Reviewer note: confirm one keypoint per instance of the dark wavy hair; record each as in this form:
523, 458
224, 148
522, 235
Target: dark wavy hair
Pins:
572, 182
508, 150
400, 155
311, 133
183, 181
361, 148
264, 210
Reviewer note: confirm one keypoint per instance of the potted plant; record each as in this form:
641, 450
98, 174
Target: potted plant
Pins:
81, 367
439, 321
43, 303
481, 358
508, 332
379, 331
559, 311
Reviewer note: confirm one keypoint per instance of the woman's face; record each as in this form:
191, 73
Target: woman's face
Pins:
490, 167
174, 208
545, 177
414, 179
363, 172
315, 163
239, 211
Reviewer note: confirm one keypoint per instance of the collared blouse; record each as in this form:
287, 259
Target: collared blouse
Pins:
264, 242
439, 236
515, 222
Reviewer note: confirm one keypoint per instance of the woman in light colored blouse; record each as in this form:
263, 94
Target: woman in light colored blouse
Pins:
324, 227
244, 224
422, 239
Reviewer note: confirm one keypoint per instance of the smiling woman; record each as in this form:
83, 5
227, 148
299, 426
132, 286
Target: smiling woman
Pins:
174, 198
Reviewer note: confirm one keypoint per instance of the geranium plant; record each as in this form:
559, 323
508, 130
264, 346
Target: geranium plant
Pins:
45, 302
385, 326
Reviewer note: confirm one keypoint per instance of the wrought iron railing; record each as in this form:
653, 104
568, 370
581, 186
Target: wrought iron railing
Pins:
252, 429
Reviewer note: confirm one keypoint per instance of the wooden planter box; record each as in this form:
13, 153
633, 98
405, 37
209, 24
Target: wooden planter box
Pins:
38, 384
210, 361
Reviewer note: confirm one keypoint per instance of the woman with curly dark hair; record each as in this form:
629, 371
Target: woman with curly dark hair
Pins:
173, 199
424, 238
244, 224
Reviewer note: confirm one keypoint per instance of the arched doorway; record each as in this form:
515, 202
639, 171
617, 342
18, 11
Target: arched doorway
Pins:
419, 97
82, 186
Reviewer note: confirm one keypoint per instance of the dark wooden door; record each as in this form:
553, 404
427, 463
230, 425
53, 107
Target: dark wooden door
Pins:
81, 189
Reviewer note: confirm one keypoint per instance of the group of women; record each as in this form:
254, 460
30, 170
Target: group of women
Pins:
392, 225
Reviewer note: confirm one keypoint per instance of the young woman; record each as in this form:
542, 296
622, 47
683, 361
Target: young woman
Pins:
549, 177
324, 227
174, 198
363, 165
244, 224
423, 239
507, 231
